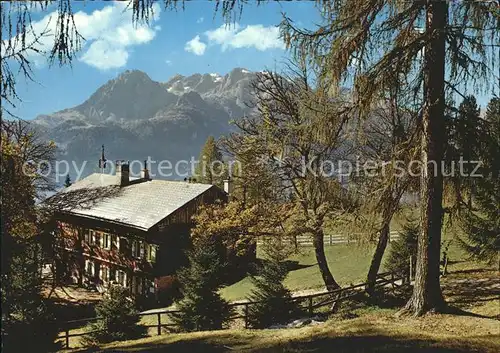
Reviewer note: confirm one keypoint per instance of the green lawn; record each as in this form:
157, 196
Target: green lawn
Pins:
348, 263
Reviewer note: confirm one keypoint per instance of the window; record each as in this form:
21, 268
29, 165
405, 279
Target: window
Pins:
112, 274
106, 241
152, 253
104, 273
115, 239
98, 239
92, 237
134, 248
89, 268
137, 249
141, 249
87, 236
122, 278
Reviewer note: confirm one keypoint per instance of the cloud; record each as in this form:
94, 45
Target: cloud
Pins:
168, 62
257, 36
195, 46
200, 20
109, 34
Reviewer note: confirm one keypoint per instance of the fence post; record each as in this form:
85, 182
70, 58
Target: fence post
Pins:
246, 315
67, 338
310, 305
159, 323
331, 240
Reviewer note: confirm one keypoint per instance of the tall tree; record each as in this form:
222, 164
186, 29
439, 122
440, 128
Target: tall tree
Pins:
210, 167
291, 134
441, 49
391, 139
273, 301
25, 315
482, 225
202, 307
466, 132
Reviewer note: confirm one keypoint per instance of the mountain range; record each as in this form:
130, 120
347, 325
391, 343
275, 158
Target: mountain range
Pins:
136, 117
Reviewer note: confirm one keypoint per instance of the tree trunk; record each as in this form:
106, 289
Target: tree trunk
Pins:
377, 258
427, 293
319, 249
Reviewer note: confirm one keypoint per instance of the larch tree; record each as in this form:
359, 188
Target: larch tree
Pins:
292, 127
210, 167
59, 42
389, 137
442, 48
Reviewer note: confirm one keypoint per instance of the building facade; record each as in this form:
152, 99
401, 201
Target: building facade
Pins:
113, 229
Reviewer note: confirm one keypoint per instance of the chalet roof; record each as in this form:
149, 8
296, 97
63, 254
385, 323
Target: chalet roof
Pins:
141, 204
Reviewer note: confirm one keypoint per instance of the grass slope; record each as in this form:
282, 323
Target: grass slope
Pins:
377, 330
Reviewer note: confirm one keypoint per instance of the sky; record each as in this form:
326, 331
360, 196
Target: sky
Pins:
183, 41
193, 40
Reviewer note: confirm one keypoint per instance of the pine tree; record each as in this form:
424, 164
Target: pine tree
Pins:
67, 181
482, 226
402, 249
118, 319
202, 307
273, 300
210, 167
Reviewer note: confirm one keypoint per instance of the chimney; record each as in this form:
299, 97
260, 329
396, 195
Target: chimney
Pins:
122, 173
228, 187
145, 171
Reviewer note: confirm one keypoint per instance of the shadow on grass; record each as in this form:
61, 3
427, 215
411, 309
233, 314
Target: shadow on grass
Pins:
371, 341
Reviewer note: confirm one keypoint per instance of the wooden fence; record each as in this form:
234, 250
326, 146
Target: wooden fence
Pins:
309, 303
332, 239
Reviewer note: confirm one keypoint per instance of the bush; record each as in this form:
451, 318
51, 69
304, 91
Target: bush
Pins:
202, 308
118, 319
402, 248
274, 304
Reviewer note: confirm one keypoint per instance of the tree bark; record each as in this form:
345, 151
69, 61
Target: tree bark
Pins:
377, 258
427, 293
319, 249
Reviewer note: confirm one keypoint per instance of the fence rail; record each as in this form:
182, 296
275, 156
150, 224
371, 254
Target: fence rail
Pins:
329, 298
332, 239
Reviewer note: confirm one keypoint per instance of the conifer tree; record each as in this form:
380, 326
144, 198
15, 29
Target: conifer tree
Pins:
273, 300
210, 168
118, 319
403, 250
67, 181
202, 307
482, 225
